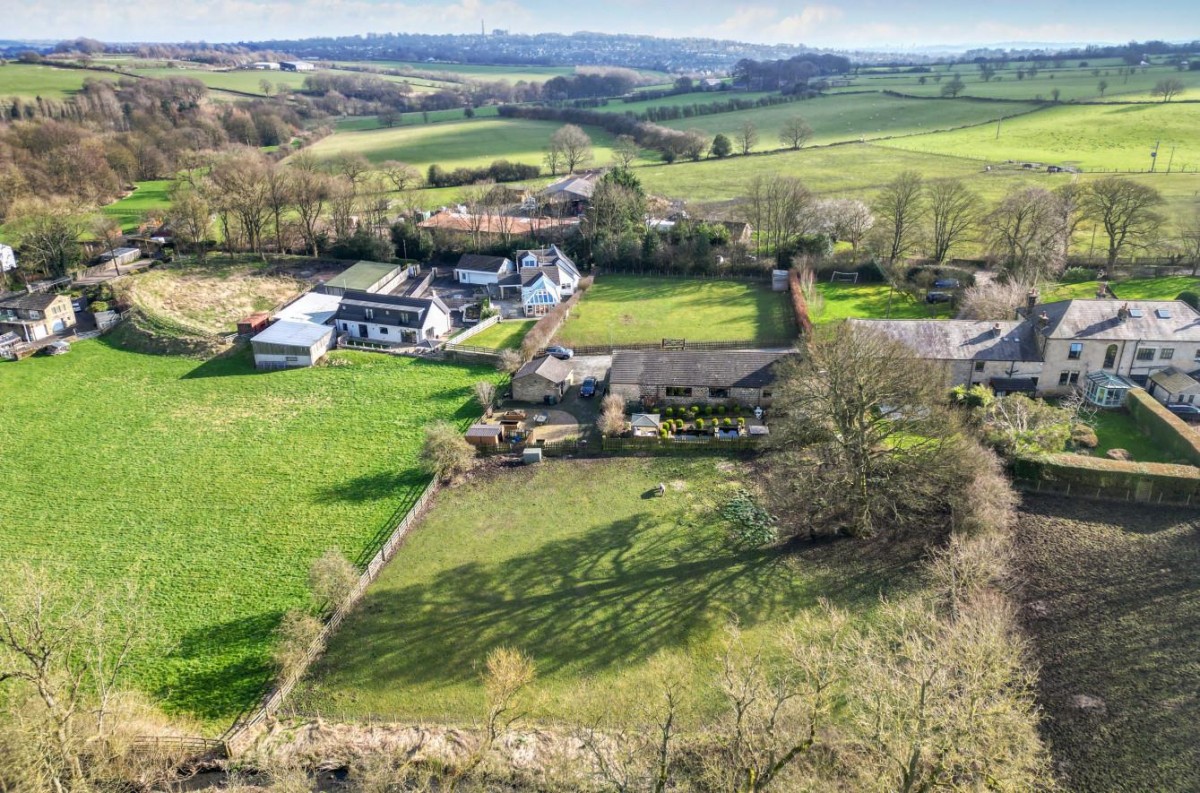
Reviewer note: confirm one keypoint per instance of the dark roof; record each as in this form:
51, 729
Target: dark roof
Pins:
406, 312
550, 257
531, 274
1159, 320
727, 369
1014, 384
482, 264
553, 369
960, 339
37, 301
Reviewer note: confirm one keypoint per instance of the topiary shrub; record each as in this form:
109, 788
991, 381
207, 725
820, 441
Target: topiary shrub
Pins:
726, 422
1191, 298
662, 433
741, 423
699, 424
669, 412
720, 410
708, 410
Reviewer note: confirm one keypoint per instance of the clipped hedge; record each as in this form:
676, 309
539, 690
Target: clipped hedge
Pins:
1164, 426
799, 304
1100, 477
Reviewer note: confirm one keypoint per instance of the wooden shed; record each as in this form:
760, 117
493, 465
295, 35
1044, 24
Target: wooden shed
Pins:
485, 435
255, 323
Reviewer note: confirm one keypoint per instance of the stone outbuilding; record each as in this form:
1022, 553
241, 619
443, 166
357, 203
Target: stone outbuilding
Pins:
544, 379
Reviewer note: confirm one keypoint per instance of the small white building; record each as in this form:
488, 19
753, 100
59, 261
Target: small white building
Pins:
317, 308
121, 256
266, 66
288, 344
296, 66
1172, 386
8, 259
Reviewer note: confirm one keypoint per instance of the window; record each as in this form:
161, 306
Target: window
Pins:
1166, 353
1146, 354
1110, 356
718, 393
369, 313
979, 366
291, 358
677, 391
1076, 351
1162, 313
766, 393
383, 331
1068, 378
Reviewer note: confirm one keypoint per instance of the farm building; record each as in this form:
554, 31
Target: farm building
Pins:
684, 377
485, 435
392, 319
296, 66
36, 316
316, 307
473, 268
1173, 387
121, 256
373, 277
543, 379
267, 66
254, 323
288, 344
8, 259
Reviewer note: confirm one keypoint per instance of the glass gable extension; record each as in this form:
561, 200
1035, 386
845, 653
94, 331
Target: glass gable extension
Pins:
1106, 390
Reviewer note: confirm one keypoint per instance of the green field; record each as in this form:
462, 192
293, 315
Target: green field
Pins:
573, 563
632, 308
149, 197
243, 80
29, 81
478, 142
1073, 83
1090, 137
506, 335
850, 118
871, 301
363, 123
1132, 289
213, 486
680, 100
1114, 616
508, 73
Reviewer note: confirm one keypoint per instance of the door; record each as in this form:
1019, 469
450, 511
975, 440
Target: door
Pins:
362, 331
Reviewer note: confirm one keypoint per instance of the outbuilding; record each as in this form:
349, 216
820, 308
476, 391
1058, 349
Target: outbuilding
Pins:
121, 256
1174, 387
485, 435
373, 277
288, 344
544, 379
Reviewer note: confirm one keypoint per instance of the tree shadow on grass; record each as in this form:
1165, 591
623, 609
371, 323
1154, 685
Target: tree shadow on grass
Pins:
612, 596
218, 671
237, 361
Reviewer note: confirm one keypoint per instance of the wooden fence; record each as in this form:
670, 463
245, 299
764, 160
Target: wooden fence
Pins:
241, 731
474, 330
681, 344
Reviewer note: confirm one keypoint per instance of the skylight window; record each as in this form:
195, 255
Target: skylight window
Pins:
1136, 313
1162, 313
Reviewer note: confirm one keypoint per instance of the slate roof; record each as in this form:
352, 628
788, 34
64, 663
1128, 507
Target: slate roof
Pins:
396, 310
581, 185
1174, 380
482, 264
293, 334
724, 369
960, 339
1097, 319
24, 301
549, 367
550, 257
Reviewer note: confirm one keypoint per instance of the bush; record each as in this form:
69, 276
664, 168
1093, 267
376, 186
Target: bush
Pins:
331, 578
720, 410
741, 423
695, 409
726, 422
669, 412
708, 411
699, 424
100, 305
1084, 436
446, 454
1077, 275
749, 524
662, 433
1191, 298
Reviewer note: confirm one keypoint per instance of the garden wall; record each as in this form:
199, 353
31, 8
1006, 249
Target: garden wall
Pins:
1167, 429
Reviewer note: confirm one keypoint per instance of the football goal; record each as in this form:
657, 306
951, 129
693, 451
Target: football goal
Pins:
843, 278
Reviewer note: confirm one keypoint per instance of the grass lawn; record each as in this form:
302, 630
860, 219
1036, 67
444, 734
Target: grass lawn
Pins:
631, 308
871, 301
1117, 618
577, 565
212, 297
1133, 289
213, 486
1092, 137
503, 335
363, 123
1116, 429
149, 197
843, 117
452, 144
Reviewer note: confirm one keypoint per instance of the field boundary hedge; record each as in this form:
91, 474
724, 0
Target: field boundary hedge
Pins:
1163, 426
1109, 480
799, 304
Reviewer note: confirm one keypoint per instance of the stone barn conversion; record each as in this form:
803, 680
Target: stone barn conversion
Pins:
684, 378
543, 379
288, 344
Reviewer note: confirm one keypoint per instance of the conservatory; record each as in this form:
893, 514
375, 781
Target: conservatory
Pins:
1106, 390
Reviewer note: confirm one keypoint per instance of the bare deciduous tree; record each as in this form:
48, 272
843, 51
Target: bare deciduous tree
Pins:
898, 211
993, 299
485, 395
573, 147
848, 219
1125, 210
953, 216
311, 191
626, 150
401, 175
747, 137
1026, 231
1167, 88
191, 218
795, 133
780, 209
446, 455
331, 578
612, 415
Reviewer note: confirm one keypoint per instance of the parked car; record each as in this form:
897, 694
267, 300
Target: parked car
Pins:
588, 388
1189, 413
946, 283
56, 348
561, 353
938, 297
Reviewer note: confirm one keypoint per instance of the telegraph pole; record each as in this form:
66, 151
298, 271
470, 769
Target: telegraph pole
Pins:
1171, 159
1154, 156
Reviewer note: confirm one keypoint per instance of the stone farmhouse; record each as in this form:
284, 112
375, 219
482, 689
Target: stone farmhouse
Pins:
684, 377
34, 316
1102, 347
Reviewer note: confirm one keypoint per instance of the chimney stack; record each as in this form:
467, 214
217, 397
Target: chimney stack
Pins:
1031, 299
1123, 313
1043, 319
996, 330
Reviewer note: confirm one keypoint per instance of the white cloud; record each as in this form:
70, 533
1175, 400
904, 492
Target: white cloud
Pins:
768, 24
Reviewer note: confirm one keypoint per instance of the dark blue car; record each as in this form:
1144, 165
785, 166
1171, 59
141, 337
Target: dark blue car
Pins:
588, 388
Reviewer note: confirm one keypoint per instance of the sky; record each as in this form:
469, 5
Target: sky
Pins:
851, 24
